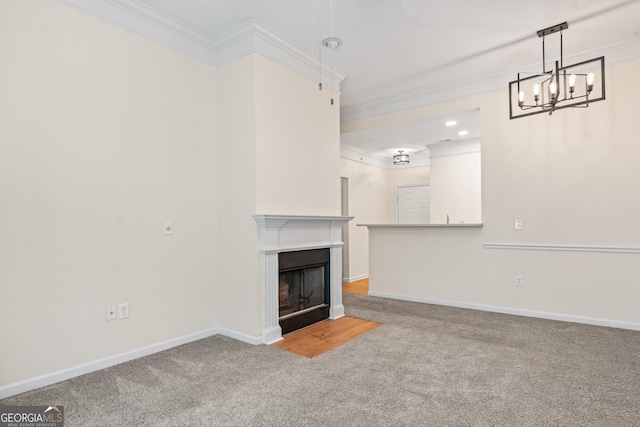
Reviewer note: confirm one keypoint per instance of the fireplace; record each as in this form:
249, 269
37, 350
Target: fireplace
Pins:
304, 289
317, 240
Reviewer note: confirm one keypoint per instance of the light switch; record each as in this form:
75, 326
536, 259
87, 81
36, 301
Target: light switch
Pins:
519, 224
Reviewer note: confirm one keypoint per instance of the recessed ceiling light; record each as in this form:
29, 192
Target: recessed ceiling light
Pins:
451, 123
463, 133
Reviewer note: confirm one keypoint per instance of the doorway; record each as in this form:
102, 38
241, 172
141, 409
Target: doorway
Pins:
412, 204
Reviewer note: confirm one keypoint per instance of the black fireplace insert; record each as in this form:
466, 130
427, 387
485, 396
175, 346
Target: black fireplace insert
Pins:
303, 288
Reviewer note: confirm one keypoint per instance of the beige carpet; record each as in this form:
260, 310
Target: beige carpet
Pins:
425, 366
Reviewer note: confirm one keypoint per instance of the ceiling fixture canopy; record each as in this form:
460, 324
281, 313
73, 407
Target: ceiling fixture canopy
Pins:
563, 86
400, 158
332, 42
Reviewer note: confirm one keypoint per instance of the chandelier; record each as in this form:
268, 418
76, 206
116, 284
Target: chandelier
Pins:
400, 158
563, 86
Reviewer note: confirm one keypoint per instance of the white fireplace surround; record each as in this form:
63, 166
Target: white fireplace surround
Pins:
287, 233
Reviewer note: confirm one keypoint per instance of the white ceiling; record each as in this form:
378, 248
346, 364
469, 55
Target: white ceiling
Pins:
394, 47
415, 138
399, 52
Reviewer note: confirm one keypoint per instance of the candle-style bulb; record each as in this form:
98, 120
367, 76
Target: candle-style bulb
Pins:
521, 98
536, 89
590, 78
552, 90
572, 84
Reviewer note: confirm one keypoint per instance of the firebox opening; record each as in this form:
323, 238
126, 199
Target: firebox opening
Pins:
303, 288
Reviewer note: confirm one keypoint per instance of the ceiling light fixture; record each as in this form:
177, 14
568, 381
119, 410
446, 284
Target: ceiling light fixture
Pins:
332, 42
562, 87
400, 158
463, 132
451, 123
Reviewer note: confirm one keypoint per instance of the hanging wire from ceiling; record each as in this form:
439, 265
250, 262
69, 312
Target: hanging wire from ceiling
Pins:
320, 44
330, 42
332, 54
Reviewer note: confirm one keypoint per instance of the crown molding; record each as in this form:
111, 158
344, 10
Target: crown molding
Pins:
621, 50
351, 153
454, 148
380, 160
255, 37
251, 37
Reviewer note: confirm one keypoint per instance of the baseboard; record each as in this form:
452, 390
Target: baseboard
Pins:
354, 278
515, 311
336, 312
272, 335
249, 339
75, 371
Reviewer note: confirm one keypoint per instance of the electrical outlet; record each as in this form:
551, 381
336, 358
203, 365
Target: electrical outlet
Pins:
111, 312
123, 309
519, 280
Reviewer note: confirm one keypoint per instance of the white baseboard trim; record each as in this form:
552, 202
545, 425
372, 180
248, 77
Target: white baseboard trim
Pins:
249, 339
336, 312
515, 311
85, 368
354, 278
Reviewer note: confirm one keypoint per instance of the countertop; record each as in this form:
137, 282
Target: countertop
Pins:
420, 225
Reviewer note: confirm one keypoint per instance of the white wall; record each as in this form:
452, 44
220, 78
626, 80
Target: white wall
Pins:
451, 267
572, 177
409, 175
368, 203
298, 144
455, 189
371, 201
236, 167
103, 136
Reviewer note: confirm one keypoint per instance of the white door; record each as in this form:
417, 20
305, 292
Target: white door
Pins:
412, 204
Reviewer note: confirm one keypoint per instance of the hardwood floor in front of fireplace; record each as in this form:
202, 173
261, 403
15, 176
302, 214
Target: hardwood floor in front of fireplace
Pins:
325, 335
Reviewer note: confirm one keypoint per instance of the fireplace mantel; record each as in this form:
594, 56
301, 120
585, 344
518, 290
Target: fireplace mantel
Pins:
284, 233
